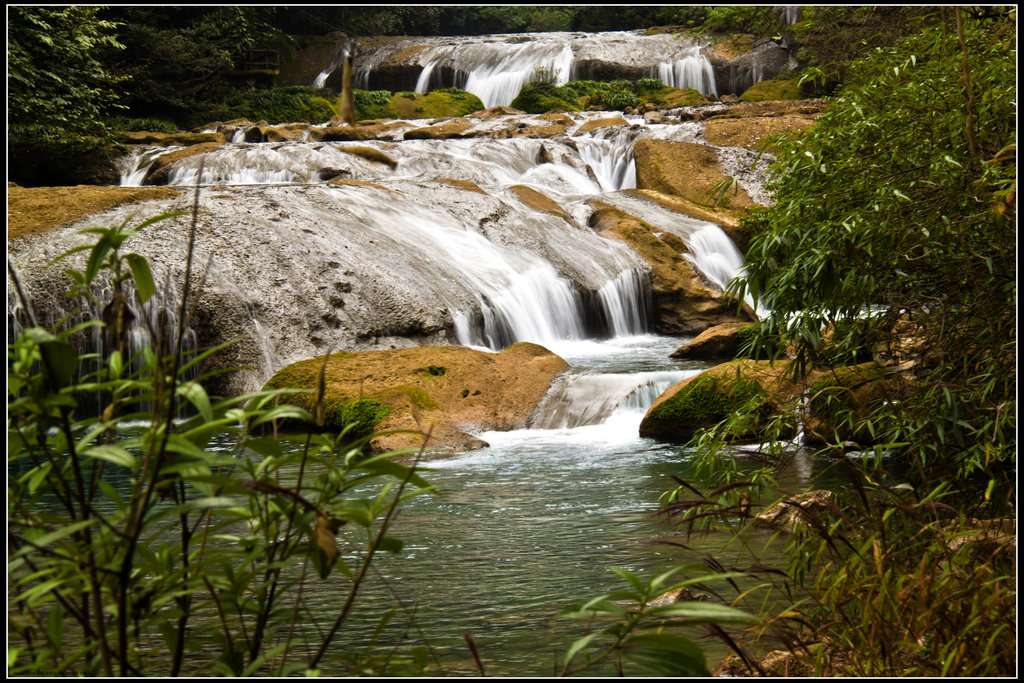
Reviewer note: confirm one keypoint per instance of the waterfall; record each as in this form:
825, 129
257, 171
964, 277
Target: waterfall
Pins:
590, 399
692, 70
611, 158
496, 67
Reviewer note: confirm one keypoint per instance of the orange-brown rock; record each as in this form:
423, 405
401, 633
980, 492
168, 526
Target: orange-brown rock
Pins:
683, 302
720, 341
446, 390
37, 209
601, 123
686, 169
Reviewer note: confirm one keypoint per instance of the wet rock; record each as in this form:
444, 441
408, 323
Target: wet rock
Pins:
700, 402
447, 391
686, 169
496, 112
288, 133
720, 341
730, 220
808, 508
454, 128
539, 201
146, 138
683, 303
601, 123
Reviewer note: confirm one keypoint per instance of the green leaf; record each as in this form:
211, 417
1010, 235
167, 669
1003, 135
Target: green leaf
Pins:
666, 654
61, 360
111, 453
143, 277
702, 612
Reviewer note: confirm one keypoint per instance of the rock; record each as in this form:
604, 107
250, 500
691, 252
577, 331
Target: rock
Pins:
682, 302
704, 400
654, 117
159, 170
558, 118
445, 390
539, 131
729, 99
33, 210
145, 138
835, 394
455, 128
600, 123
370, 154
496, 112
751, 132
771, 90
686, 169
289, 133
372, 131
808, 508
538, 201
720, 341
730, 220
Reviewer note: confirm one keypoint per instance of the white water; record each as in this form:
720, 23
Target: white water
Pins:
495, 67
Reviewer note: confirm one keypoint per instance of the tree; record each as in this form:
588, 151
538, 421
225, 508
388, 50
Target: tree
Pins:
57, 83
892, 237
897, 213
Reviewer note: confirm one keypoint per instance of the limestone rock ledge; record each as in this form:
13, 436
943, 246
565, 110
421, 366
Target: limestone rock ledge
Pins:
447, 390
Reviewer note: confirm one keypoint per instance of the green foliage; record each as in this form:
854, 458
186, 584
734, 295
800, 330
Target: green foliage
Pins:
889, 240
756, 19
137, 548
152, 125
58, 86
637, 632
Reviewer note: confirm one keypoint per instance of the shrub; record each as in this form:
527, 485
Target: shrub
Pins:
132, 542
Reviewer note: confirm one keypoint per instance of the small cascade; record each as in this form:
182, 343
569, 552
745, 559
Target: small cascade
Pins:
714, 254
611, 159
135, 165
692, 70
579, 400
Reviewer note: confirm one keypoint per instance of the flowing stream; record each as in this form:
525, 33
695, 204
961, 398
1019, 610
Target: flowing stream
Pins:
532, 523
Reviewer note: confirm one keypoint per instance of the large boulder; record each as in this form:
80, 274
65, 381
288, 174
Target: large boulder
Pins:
687, 169
702, 401
683, 302
444, 390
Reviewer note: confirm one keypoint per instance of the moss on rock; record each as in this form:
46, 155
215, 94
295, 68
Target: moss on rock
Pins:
763, 91
703, 401
477, 390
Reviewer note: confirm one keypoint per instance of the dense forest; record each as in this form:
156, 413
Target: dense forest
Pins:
885, 268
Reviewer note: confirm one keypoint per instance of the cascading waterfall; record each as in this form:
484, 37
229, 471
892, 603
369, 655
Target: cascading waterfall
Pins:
496, 67
538, 277
692, 70
578, 400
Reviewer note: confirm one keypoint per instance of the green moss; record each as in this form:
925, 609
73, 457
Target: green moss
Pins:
417, 397
361, 417
449, 102
771, 90
699, 402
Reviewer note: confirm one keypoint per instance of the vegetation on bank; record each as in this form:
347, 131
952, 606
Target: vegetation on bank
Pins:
892, 238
